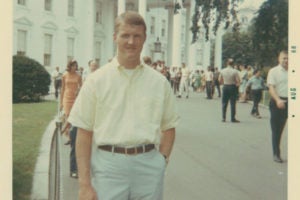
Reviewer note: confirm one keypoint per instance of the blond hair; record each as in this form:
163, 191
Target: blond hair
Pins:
131, 18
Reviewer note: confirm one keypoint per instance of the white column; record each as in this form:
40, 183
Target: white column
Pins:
206, 53
176, 49
89, 30
170, 36
108, 42
143, 12
143, 8
121, 6
218, 48
191, 49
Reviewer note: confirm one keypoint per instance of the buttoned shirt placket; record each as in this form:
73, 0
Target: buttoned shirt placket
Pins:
131, 96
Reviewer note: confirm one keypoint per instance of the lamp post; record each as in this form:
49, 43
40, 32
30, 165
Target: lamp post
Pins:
157, 50
157, 46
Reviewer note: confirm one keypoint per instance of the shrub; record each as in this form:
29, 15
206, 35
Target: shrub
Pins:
30, 80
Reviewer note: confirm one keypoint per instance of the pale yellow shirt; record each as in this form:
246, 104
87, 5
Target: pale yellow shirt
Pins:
125, 110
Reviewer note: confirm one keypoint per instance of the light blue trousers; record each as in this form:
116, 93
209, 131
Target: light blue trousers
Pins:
128, 177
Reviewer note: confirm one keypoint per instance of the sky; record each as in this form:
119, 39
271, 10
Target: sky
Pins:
255, 3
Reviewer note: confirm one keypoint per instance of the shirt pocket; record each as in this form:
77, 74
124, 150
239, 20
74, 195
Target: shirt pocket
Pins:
150, 109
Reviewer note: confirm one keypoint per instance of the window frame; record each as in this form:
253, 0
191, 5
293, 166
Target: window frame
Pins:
21, 2
47, 56
19, 46
48, 5
71, 8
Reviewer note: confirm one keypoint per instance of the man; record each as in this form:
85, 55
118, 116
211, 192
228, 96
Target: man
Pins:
93, 66
184, 81
216, 81
278, 88
123, 112
209, 82
56, 76
230, 78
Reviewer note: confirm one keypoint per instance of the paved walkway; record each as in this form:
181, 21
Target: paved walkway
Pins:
214, 160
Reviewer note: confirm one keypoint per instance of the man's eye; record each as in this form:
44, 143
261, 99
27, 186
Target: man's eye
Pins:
125, 36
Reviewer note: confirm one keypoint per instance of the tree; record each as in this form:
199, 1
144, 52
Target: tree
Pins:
214, 12
270, 31
30, 80
238, 45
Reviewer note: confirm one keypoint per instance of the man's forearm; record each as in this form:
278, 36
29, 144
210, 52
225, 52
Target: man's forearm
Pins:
273, 93
167, 141
83, 156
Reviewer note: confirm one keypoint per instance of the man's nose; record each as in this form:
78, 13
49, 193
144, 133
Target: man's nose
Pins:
130, 40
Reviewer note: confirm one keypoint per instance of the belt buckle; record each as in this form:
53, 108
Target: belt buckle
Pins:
134, 153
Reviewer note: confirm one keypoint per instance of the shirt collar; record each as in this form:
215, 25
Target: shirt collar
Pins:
116, 63
282, 68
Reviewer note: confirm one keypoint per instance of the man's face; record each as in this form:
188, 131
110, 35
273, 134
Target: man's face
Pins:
283, 60
93, 67
130, 40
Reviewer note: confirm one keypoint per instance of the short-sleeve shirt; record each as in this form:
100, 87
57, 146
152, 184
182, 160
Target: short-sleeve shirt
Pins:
124, 109
230, 75
278, 77
257, 83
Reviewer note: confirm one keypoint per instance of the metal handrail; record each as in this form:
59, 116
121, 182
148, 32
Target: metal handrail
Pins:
55, 162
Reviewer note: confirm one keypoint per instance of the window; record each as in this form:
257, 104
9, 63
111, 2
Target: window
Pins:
98, 12
71, 8
48, 5
22, 2
21, 42
47, 49
244, 20
152, 30
98, 52
70, 48
163, 30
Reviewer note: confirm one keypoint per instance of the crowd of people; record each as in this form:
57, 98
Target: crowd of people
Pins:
240, 83
68, 84
125, 113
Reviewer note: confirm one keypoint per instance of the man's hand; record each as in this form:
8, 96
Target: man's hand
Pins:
65, 128
280, 104
87, 193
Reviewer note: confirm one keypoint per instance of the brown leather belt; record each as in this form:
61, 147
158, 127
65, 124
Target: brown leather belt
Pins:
129, 150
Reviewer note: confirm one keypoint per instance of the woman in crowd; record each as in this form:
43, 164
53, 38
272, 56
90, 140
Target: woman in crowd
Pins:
196, 81
244, 79
71, 83
202, 75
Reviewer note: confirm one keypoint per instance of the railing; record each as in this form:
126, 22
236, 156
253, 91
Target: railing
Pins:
55, 162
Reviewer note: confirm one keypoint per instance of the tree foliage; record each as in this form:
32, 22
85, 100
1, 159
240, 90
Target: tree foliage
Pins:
213, 12
270, 31
30, 80
239, 46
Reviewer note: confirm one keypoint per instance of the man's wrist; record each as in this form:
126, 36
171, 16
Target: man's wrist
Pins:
166, 158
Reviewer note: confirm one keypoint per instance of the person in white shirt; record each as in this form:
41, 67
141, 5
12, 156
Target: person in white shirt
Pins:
277, 81
230, 78
126, 118
56, 76
184, 81
93, 66
209, 82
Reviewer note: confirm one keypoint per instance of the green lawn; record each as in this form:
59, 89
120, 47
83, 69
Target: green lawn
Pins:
29, 123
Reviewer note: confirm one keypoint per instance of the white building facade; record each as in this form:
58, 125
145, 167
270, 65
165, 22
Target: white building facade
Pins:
55, 31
